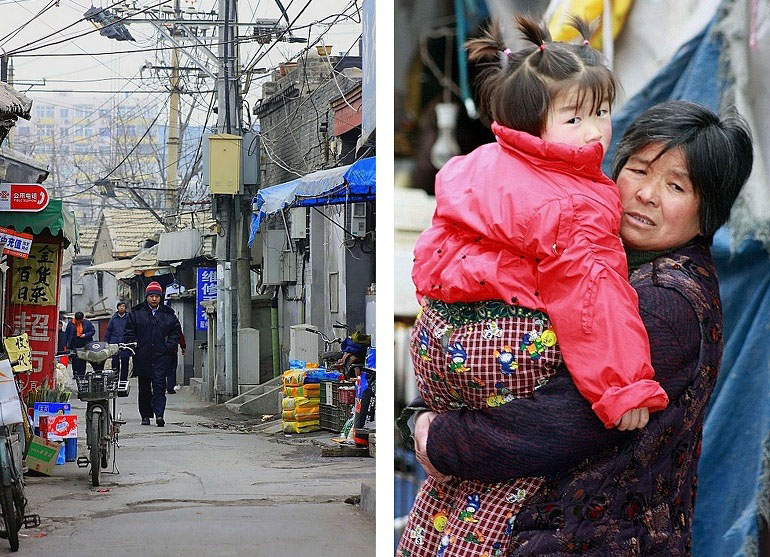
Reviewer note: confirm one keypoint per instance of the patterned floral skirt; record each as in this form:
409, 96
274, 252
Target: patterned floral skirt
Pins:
477, 356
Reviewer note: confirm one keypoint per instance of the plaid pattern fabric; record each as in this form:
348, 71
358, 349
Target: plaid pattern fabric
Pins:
464, 518
483, 363
479, 360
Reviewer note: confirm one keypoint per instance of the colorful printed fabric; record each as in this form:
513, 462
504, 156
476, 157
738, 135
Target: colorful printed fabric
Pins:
609, 492
476, 356
464, 518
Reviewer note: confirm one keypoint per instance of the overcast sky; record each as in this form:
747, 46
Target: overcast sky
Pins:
121, 71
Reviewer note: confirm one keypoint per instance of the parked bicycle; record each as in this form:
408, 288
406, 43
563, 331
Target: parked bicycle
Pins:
13, 502
349, 359
99, 386
329, 357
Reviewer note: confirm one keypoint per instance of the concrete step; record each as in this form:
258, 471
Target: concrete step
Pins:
369, 498
260, 400
196, 383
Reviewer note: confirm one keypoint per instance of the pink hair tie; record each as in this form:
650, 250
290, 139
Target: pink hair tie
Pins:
585, 42
542, 47
507, 51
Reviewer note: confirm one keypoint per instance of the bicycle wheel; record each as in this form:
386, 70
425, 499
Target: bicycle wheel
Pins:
96, 448
10, 519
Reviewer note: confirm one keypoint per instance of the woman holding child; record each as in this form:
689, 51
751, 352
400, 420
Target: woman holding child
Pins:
595, 489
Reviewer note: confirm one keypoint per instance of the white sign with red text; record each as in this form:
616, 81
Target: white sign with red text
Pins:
23, 197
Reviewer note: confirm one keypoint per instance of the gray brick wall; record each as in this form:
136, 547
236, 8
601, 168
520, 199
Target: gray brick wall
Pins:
292, 144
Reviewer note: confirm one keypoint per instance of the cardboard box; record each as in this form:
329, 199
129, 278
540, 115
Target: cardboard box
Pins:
49, 409
59, 427
42, 455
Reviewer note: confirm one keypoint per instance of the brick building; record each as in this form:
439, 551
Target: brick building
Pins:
310, 120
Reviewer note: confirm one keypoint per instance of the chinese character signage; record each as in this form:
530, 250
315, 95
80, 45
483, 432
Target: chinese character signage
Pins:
15, 243
34, 281
23, 197
207, 290
32, 308
18, 349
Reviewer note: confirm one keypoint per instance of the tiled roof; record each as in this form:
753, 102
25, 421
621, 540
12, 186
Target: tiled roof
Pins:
129, 229
202, 220
87, 238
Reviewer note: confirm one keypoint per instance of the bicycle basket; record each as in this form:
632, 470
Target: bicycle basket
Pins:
97, 386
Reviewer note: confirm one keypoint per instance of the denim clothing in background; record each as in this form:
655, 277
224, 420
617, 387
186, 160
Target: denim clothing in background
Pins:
735, 435
691, 76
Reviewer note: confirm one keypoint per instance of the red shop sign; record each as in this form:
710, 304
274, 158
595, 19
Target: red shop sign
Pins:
23, 197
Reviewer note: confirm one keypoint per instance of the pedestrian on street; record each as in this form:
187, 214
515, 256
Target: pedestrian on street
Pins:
155, 328
61, 340
114, 335
171, 379
80, 332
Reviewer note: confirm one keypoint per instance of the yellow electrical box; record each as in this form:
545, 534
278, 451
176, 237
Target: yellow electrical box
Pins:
225, 163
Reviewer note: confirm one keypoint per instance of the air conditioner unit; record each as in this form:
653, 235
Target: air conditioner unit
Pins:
358, 219
298, 228
303, 345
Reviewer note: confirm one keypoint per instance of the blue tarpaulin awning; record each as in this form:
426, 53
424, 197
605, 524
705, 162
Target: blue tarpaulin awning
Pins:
344, 184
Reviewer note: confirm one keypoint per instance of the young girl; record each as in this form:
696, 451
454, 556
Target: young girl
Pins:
524, 250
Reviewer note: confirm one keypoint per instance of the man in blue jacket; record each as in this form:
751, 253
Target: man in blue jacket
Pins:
114, 335
79, 332
155, 328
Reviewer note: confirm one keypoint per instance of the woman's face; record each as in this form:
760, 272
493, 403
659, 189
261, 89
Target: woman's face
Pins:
660, 204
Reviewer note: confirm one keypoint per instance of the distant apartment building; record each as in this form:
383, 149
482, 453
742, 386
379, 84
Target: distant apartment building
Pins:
82, 139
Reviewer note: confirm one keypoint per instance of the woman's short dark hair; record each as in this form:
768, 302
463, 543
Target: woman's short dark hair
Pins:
78, 315
717, 150
517, 89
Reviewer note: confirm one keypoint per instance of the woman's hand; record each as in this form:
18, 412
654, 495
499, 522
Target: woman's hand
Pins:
421, 426
633, 419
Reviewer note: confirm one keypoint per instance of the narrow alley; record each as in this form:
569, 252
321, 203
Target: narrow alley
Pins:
210, 483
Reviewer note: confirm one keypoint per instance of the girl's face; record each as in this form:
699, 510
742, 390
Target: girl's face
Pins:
577, 125
660, 204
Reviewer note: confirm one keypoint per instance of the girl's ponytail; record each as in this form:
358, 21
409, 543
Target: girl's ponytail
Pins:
491, 57
586, 30
533, 31
487, 48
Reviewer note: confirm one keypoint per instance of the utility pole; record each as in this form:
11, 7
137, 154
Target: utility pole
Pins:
173, 128
228, 121
6, 75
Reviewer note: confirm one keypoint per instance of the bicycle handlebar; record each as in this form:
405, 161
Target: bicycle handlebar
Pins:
323, 336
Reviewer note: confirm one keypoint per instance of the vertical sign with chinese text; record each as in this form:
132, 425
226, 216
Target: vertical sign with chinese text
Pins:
33, 301
207, 290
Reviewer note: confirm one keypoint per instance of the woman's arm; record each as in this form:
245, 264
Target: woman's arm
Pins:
556, 429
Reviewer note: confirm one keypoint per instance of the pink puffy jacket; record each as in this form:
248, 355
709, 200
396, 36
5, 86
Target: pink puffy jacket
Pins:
536, 224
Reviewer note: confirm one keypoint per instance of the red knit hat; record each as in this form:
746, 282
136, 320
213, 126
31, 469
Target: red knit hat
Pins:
153, 288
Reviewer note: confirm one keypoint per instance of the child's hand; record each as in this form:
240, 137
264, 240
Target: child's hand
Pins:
633, 419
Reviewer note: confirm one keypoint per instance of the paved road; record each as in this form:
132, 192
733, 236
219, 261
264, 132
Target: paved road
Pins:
203, 485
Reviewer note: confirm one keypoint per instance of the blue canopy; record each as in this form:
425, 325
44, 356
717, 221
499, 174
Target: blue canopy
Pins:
343, 184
